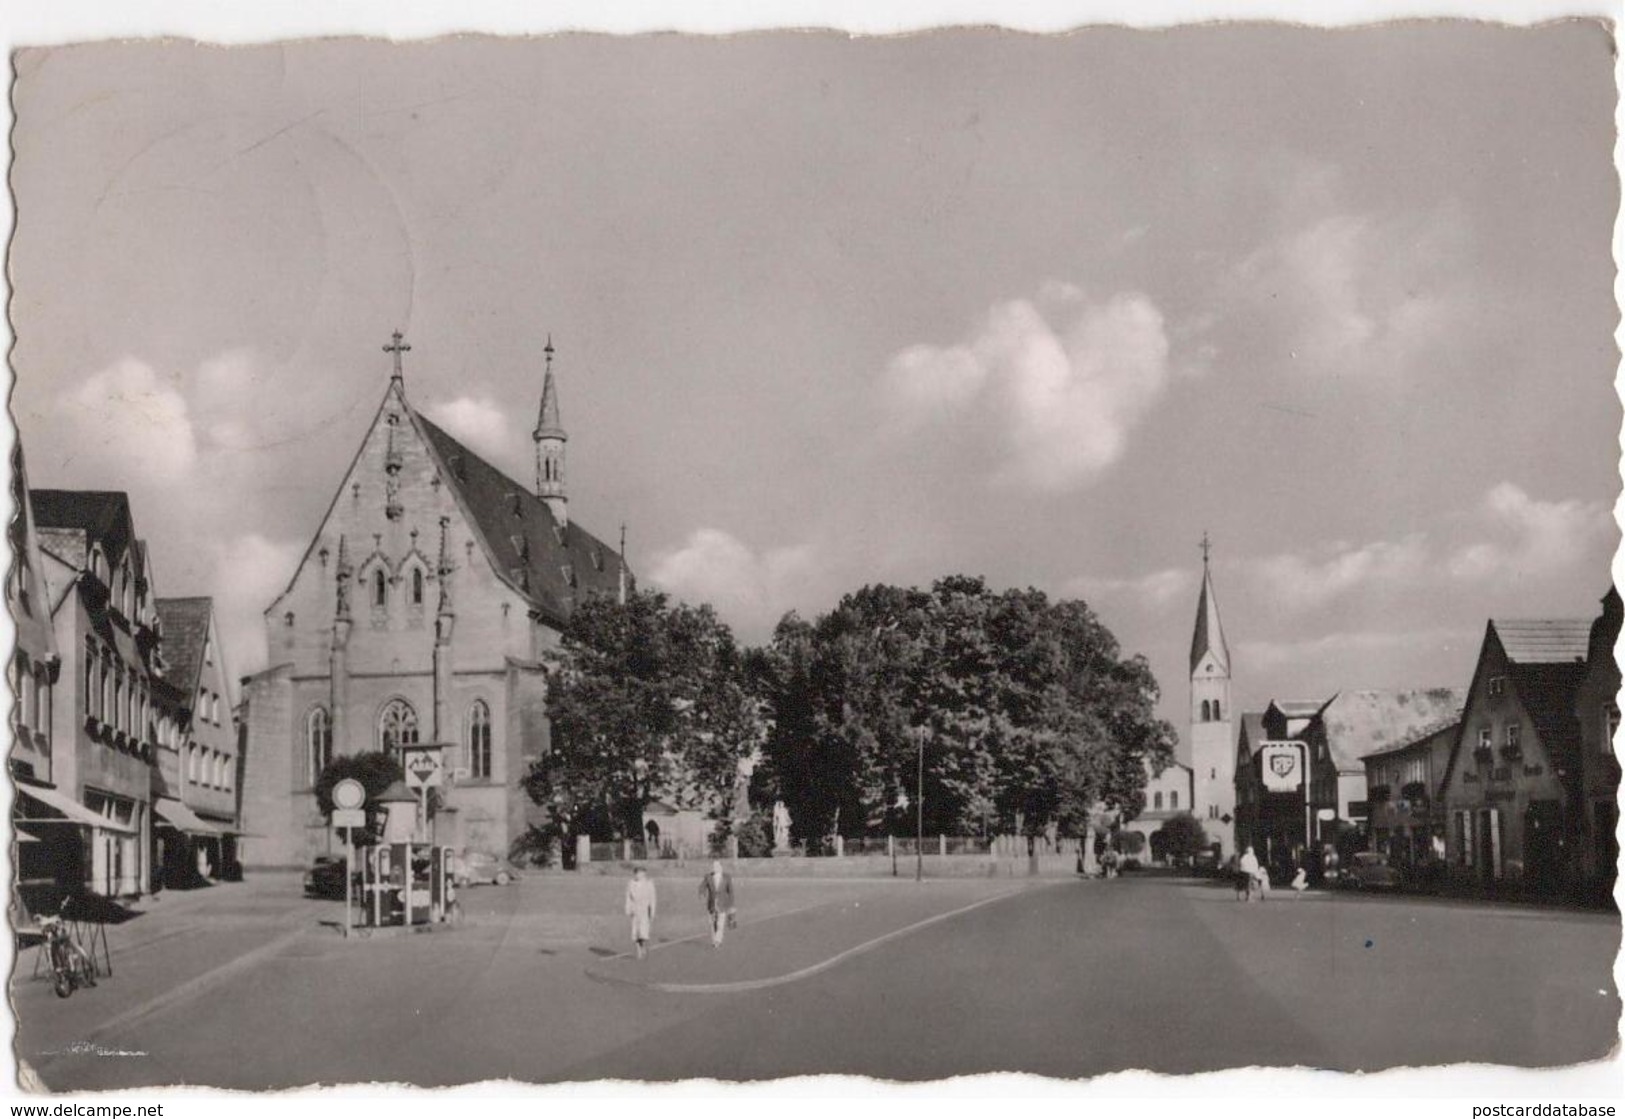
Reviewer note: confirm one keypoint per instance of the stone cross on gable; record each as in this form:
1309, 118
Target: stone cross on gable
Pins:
397, 347
1206, 547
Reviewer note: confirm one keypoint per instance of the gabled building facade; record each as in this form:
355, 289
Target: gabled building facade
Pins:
1404, 783
196, 783
1337, 733
109, 708
420, 613
1513, 784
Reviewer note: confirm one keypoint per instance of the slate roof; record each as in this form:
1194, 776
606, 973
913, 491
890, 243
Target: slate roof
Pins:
103, 515
1422, 734
550, 566
1358, 723
1544, 640
185, 624
1209, 632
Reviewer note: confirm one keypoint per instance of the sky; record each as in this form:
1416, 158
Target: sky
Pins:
836, 311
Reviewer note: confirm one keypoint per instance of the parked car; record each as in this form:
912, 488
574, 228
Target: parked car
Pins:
325, 878
479, 867
1369, 870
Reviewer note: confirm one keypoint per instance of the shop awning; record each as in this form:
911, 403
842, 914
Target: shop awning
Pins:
182, 818
72, 811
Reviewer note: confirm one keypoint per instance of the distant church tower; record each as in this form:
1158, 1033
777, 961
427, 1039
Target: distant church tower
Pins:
550, 438
1212, 737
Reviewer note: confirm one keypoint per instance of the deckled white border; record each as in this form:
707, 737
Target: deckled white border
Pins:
1447, 1092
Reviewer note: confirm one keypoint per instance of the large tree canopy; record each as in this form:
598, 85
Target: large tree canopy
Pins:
647, 700
1024, 710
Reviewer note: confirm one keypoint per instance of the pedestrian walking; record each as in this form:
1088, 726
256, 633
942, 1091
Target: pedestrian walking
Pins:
717, 891
640, 906
1250, 871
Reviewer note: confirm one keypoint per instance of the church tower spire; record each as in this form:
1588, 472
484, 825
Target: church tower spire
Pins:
549, 438
1212, 741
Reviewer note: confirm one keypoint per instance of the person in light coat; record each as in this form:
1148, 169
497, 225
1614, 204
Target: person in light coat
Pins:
640, 906
1250, 872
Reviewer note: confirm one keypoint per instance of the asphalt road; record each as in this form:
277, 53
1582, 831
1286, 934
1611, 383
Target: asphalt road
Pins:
1070, 979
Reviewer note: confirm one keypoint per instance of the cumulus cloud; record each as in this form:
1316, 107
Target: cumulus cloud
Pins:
1535, 538
1348, 293
1156, 591
246, 572
1305, 582
750, 589
128, 423
1058, 395
478, 421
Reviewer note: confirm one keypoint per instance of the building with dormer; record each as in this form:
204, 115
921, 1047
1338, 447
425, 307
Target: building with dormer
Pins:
420, 613
1513, 788
197, 779
112, 707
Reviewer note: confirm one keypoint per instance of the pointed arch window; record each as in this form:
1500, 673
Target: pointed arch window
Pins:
1216, 714
380, 588
417, 586
318, 742
1207, 711
479, 741
397, 726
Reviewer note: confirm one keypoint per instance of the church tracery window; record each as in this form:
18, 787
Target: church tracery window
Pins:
479, 740
318, 742
417, 586
397, 726
380, 588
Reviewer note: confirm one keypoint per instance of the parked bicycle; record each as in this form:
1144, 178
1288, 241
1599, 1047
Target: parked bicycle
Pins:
71, 966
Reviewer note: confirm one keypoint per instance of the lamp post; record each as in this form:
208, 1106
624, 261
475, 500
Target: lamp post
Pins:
919, 804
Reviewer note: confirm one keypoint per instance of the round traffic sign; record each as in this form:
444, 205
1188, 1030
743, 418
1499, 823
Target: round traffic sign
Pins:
349, 793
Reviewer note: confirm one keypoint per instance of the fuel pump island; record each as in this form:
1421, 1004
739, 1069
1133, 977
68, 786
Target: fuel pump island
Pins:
407, 881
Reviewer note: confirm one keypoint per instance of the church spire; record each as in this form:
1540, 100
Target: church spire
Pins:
1209, 634
549, 438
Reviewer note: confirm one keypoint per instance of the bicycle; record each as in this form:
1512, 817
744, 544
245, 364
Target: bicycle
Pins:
71, 966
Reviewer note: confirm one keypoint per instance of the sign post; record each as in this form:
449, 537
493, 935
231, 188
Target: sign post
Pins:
1284, 767
348, 797
425, 769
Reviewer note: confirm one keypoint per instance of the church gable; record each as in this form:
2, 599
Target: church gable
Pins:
393, 513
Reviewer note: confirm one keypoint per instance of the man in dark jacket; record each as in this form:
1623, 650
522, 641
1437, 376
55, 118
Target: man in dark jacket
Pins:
717, 891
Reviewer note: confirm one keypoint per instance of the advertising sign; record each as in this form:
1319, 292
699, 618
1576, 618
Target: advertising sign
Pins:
1281, 764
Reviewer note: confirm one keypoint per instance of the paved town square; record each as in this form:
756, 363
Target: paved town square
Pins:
805, 553
1064, 977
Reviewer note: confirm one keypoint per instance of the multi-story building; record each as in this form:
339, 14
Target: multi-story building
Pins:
1596, 706
50, 822
1513, 786
196, 784
108, 711
419, 614
1403, 786
1336, 735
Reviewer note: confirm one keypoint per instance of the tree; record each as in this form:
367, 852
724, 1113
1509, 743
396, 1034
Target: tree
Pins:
1028, 715
1181, 838
376, 771
647, 700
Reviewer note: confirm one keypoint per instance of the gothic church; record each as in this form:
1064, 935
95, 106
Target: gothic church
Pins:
420, 613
